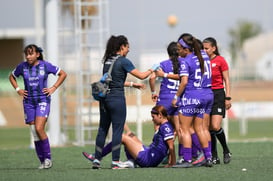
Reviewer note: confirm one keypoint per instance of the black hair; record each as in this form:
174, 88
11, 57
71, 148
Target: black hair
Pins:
113, 45
173, 54
194, 46
212, 41
32, 47
200, 44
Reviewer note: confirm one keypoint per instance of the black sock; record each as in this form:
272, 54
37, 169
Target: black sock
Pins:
220, 134
213, 144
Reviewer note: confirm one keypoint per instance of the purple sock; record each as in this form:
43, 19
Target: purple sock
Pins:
107, 149
207, 153
209, 145
46, 148
39, 150
187, 153
196, 142
194, 151
180, 149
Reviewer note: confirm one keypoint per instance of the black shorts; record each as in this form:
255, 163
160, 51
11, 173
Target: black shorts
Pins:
219, 107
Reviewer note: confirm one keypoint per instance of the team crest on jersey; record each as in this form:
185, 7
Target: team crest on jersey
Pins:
42, 72
183, 67
167, 129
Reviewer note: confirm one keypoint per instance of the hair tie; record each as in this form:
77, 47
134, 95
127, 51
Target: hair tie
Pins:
40, 49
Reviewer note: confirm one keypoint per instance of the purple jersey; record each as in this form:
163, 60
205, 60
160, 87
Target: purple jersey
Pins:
191, 67
35, 79
168, 87
197, 96
158, 149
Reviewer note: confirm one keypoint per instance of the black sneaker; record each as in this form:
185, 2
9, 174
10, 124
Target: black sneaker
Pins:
215, 160
209, 163
227, 158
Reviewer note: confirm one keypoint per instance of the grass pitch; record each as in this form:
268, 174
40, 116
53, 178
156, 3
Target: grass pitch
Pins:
250, 161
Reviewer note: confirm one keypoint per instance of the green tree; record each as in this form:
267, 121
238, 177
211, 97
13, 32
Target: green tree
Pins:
240, 33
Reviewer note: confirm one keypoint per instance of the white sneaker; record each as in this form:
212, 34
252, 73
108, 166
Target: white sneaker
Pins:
41, 166
47, 163
118, 165
180, 160
129, 164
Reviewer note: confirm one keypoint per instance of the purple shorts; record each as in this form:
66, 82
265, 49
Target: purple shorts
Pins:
32, 111
148, 158
196, 103
166, 101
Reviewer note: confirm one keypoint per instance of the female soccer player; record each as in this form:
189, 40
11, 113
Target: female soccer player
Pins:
169, 71
197, 96
36, 97
222, 98
152, 155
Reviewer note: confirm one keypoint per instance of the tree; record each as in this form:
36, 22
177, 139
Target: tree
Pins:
240, 33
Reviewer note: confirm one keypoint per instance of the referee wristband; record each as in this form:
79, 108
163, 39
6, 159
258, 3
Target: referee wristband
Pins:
17, 89
153, 92
165, 75
131, 84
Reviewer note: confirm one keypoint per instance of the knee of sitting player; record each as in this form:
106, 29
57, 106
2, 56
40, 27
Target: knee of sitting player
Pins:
125, 138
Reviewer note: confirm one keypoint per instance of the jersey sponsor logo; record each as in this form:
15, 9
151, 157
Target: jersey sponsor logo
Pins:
190, 101
33, 78
193, 110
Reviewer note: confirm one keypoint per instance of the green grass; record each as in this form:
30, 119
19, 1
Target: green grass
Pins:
18, 162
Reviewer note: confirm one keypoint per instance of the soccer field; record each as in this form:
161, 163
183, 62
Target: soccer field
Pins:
69, 164
18, 162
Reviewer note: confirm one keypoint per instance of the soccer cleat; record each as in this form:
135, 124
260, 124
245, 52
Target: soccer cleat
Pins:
180, 160
208, 163
41, 166
184, 164
47, 163
200, 161
96, 164
227, 158
88, 156
165, 160
216, 160
130, 164
118, 165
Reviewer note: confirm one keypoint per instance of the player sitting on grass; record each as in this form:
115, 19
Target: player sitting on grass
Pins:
147, 156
